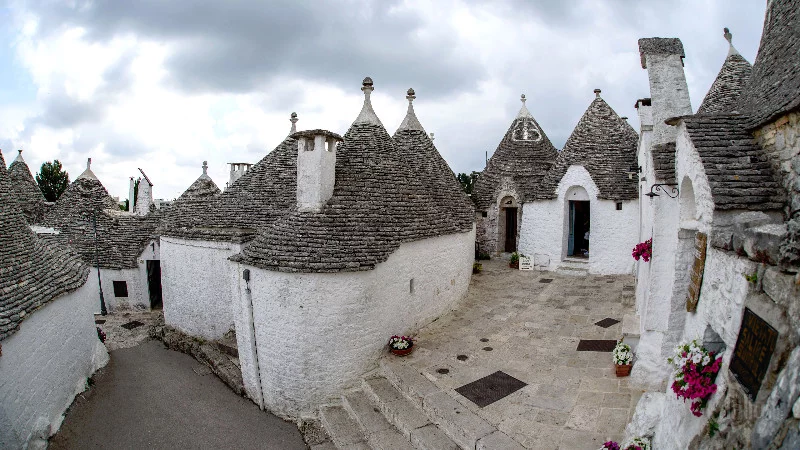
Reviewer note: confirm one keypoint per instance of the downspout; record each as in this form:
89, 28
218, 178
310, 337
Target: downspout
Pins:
252, 331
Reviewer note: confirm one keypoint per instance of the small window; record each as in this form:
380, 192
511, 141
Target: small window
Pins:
120, 289
411, 286
619, 206
484, 214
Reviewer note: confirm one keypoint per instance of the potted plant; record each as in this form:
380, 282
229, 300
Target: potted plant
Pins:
623, 358
401, 345
477, 267
514, 261
637, 443
643, 250
695, 371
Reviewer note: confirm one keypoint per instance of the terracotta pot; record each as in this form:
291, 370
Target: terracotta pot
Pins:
514, 265
623, 370
402, 352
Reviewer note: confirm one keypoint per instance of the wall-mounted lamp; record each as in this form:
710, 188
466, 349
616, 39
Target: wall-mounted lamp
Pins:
246, 278
672, 192
634, 170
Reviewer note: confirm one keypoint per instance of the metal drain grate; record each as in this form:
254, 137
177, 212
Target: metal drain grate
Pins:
490, 388
607, 322
596, 345
132, 324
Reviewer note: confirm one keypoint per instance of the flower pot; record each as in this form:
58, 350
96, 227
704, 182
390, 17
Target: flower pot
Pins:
402, 352
514, 265
623, 370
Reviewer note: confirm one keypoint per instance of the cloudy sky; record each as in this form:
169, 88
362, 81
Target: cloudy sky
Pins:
165, 85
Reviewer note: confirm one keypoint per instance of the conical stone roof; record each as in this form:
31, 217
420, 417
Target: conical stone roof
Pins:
32, 273
83, 196
185, 211
524, 155
378, 203
723, 96
267, 191
421, 155
29, 196
605, 145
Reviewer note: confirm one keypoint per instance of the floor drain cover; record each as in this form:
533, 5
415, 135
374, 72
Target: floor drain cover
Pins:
488, 349
546, 280
443, 371
491, 388
484, 340
600, 345
99, 321
462, 357
132, 324
607, 322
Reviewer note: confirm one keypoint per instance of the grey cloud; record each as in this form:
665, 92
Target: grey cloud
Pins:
236, 46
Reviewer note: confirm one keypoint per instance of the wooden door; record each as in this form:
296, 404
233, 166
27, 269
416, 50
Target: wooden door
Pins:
511, 230
571, 239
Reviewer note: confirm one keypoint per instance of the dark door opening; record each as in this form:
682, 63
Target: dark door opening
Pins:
154, 283
578, 245
511, 230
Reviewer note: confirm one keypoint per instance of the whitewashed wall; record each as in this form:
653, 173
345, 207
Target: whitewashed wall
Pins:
196, 280
138, 287
318, 333
489, 232
44, 365
612, 233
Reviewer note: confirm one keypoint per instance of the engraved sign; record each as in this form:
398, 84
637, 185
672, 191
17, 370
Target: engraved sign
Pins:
525, 263
698, 267
754, 348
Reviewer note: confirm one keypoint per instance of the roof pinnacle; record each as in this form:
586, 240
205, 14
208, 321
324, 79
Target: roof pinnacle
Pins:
293, 119
88, 163
523, 112
205, 168
597, 93
410, 122
432, 138
367, 114
729, 37
19, 157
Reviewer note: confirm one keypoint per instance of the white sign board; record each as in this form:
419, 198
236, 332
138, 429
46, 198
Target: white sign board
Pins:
525, 263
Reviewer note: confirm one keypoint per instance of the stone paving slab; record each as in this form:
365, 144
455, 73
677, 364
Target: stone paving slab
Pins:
512, 322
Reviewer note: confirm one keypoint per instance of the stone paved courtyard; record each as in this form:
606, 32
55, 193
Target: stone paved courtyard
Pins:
522, 324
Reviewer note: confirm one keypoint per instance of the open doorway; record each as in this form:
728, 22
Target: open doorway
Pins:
507, 225
154, 283
579, 226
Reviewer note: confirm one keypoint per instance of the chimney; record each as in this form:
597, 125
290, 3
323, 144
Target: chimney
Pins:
237, 170
144, 197
132, 196
645, 109
316, 168
663, 59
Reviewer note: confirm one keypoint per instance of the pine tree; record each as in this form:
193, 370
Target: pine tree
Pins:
52, 180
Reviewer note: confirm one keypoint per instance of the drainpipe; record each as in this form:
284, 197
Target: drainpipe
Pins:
252, 331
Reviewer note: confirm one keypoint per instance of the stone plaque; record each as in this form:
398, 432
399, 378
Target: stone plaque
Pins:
754, 348
698, 267
525, 263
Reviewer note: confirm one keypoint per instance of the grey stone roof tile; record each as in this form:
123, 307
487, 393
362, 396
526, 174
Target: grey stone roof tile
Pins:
29, 196
605, 145
525, 154
723, 96
664, 162
32, 272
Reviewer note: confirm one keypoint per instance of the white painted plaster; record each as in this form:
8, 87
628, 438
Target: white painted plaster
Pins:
196, 286
669, 93
136, 279
316, 167
612, 233
491, 229
318, 333
144, 198
44, 365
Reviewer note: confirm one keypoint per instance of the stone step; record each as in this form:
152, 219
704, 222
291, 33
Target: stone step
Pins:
406, 417
631, 330
342, 429
464, 427
379, 433
571, 270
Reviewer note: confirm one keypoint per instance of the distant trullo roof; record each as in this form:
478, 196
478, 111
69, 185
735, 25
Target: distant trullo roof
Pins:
417, 148
29, 196
524, 155
605, 145
723, 96
378, 203
183, 213
267, 191
774, 87
32, 272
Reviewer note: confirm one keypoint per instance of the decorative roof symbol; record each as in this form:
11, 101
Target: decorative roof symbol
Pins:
526, 130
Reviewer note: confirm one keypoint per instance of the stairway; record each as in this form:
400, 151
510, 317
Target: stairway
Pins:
398, 408
574, 266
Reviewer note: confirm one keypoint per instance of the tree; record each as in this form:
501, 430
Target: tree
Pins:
127, 206
52, 180
467, 181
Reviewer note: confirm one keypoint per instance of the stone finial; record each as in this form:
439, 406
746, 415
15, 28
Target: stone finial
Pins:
205, 167
432, 138
597, 93
367, 114
729, 37
522, 98
410, 95
19, 157
410, 122
523, 112
293, 119
88, 163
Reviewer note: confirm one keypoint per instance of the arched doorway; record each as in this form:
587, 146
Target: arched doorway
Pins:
578, 222
507, 225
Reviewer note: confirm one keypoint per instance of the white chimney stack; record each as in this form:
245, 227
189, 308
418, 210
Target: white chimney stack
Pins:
316, 168
132, 196
144, 197
669, 93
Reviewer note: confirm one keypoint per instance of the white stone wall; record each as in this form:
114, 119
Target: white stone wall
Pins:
136, 279
144, 198
196, 280
669, 93
490, 236
316, 174
613, 233
318, 333
44, 365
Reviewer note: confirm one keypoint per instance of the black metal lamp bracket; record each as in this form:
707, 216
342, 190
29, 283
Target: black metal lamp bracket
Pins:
672, 191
